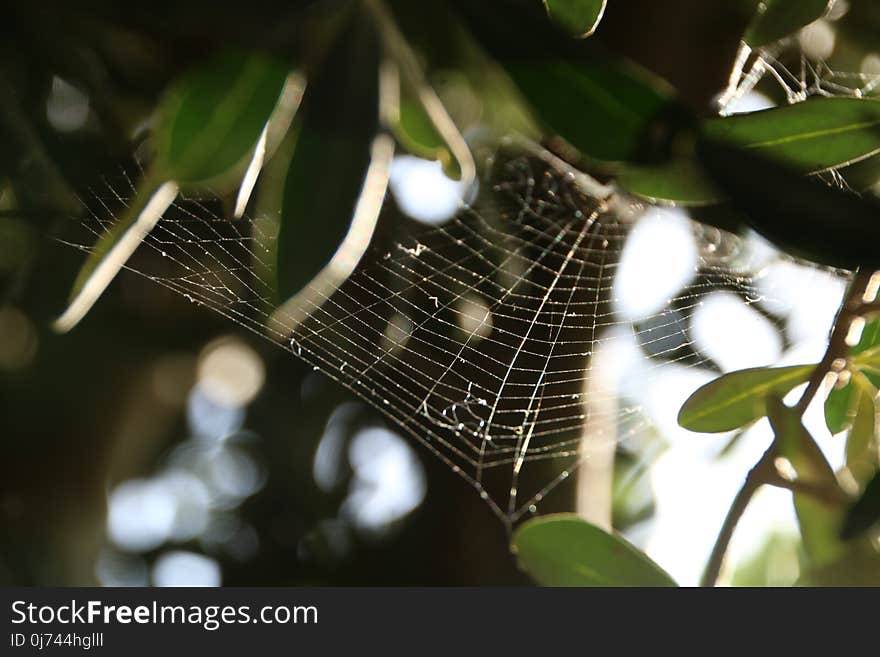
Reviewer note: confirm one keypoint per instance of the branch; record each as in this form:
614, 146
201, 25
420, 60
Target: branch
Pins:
764, 471
828, 494
758, 475
852, 307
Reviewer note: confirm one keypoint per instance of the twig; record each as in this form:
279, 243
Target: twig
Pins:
756, 478
850, 309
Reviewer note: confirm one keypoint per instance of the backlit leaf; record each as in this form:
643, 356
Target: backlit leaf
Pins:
738, 398
418, 135
563, 550
209, 122
815, 135
115, 247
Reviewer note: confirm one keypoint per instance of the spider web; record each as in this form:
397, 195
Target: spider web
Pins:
801, 81
478, 337
796, 67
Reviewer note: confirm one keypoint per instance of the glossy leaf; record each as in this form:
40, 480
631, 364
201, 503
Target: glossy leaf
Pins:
680, 182
209, 122
865, 512
777, 19
738, 398
815, 135
794, 211
563, 550
327, 156
819, 520
579, 18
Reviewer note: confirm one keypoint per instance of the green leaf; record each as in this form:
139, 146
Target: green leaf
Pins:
858, 565
579, 18
115, 247
870, 337
868, 357
207, 127
563, 550
819, 520
792, 210
840, 408
418, 119
865, 512
327, 157
868, 364
861, 435
210, 120
815, 135
863, 176
738, 398
679, 182
605, 107
777, 19
796, 444
418, 132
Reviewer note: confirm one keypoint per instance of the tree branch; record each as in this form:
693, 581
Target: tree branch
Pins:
764, 471
757, 476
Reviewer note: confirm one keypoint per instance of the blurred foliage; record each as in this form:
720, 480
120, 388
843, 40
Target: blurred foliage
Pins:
202, 96
777, 19
578, 17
